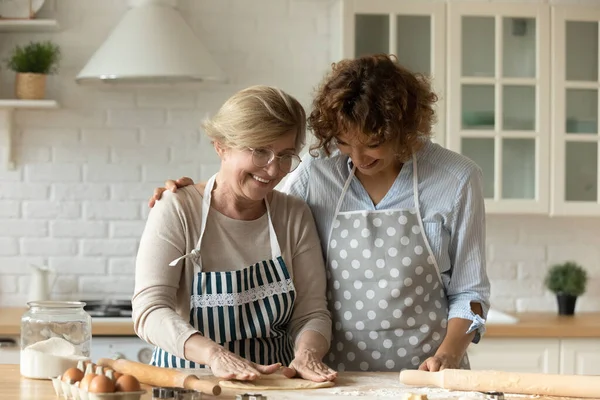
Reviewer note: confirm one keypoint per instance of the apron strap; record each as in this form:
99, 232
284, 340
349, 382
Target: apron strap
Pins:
195, 253
206, 199
338, 207
420, 218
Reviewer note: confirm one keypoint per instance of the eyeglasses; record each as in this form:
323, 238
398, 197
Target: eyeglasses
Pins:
285, 162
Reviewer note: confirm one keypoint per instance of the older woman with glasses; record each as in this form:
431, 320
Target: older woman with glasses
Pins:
230, 273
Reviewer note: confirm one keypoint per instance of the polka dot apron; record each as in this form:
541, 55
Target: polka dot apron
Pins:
385, 290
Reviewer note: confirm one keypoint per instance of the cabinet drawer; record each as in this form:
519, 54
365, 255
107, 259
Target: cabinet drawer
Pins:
580, 356
516, 355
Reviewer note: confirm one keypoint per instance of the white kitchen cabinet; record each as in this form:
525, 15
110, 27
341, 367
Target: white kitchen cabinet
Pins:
516, 355
413, 30
575, 110
580, 356
499, 99
9, 350
519, 88
549, 355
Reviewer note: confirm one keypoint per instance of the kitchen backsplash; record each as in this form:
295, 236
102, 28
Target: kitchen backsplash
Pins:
78, 198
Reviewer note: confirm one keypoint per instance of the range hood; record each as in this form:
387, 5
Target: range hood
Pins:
151, 44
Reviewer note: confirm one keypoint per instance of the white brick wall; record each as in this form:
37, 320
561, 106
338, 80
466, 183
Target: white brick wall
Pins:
77, 201
520, 250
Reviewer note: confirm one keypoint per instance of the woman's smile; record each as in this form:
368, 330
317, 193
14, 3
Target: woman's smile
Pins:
261, 180
369, 165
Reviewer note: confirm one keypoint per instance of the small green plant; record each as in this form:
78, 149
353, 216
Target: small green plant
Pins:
35, 58
567, 278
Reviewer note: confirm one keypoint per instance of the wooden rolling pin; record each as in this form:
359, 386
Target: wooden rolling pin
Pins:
156, 376
508, 382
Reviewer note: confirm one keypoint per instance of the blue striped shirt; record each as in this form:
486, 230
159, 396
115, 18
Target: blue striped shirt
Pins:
452, 207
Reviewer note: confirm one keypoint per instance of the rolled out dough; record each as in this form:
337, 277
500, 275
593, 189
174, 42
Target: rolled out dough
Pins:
274, 382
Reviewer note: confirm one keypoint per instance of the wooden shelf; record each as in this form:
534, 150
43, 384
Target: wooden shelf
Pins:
7, 108
28, 25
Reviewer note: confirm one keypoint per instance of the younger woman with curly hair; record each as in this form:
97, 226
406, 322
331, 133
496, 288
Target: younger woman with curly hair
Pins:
401, 222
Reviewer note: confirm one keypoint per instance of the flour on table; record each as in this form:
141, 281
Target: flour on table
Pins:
427, 393
49, 358
401, 392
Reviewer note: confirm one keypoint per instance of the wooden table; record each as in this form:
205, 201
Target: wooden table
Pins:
366, 385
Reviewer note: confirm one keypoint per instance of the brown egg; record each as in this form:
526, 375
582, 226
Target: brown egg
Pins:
72, 375
117, 375
85, 382
101, 384
127, 383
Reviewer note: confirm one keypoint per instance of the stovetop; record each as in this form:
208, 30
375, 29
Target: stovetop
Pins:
110, 308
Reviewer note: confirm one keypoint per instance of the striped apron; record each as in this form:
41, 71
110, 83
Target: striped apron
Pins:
246, 310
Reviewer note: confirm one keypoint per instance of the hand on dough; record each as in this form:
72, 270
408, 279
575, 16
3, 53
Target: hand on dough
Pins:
307, 366
225, 364
439, 362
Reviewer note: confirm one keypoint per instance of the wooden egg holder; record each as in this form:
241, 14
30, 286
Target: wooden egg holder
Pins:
71, 391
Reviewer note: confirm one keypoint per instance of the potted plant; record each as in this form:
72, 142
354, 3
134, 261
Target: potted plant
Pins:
568, 281
33, 63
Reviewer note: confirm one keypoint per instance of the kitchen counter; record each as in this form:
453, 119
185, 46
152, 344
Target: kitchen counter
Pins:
533, 325
10, 324
548, 325
366, 385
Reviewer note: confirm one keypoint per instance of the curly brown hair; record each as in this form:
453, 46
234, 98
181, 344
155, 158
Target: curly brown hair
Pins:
378, 97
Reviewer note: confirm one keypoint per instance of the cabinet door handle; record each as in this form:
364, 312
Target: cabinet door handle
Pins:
7, 343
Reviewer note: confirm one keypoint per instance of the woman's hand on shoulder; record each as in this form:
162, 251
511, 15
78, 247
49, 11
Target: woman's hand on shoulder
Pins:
171, 185
307, 366
227, 365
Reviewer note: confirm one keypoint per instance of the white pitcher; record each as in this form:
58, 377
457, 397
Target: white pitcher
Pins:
41, 283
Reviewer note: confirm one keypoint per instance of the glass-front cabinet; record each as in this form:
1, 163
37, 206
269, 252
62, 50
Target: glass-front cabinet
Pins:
499, 100
414, 31
519, 89
575, 110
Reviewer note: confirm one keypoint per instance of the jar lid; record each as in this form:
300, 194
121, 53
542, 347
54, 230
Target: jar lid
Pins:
55, 304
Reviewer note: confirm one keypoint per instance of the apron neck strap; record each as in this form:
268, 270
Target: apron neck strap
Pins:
415, 180
206, 199
344, 190
416, 183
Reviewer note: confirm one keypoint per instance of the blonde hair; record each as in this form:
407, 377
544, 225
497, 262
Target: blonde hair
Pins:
256, 117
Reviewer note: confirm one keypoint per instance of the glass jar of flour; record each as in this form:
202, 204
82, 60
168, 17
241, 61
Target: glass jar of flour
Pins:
55, 335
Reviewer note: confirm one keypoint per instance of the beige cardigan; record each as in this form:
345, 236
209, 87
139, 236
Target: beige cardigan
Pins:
161, 301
